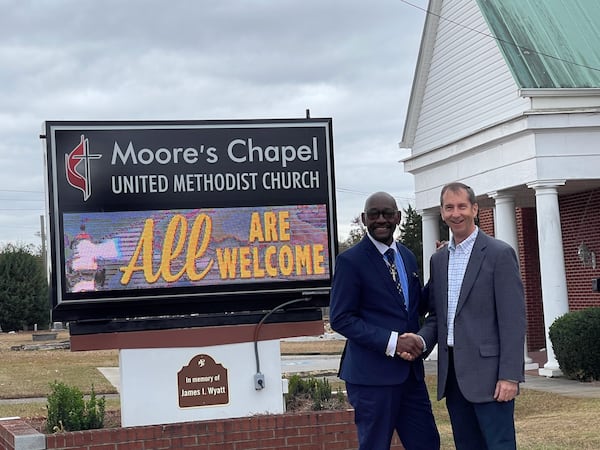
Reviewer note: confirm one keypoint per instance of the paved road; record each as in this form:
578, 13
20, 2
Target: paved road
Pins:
327, 365
291, 364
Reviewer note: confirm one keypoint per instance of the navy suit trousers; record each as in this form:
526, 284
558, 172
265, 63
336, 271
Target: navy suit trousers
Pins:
406, 408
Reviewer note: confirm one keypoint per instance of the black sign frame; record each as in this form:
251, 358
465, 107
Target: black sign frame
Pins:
173, 180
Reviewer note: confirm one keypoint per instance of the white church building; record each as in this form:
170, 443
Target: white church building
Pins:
506, 99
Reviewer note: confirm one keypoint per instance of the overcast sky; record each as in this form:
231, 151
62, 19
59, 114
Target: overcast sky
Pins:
349, 60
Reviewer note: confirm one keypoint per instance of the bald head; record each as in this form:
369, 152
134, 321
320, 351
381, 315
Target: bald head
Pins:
381, 197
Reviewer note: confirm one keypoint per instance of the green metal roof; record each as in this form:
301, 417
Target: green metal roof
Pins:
548, 43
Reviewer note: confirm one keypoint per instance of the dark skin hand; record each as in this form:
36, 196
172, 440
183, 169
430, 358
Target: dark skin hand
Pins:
409, 346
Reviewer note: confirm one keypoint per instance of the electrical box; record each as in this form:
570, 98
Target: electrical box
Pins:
259, 381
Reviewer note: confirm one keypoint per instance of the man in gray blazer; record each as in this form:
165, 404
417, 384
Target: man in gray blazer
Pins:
477, 318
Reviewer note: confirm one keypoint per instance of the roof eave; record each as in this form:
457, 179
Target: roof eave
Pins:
559, 92
562, 99
421, 72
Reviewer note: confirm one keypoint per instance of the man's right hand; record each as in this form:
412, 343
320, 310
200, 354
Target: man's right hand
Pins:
440, 244
409, 346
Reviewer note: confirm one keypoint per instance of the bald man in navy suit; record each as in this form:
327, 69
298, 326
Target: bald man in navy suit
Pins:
373, 303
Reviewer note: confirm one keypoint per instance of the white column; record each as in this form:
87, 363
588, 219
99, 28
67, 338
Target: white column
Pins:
552, 265
431, 233
505, 225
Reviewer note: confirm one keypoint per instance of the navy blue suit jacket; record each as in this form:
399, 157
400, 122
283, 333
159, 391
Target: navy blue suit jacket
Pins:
365, 308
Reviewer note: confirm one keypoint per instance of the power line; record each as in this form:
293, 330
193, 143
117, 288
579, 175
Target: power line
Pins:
28, 192
514, 44
366, 194
351, 191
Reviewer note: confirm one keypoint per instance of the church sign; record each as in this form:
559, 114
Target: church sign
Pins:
155, 218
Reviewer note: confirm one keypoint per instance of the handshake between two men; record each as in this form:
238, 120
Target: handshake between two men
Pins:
409, 346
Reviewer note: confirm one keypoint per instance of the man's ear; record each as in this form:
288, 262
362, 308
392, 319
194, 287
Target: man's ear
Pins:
363, 219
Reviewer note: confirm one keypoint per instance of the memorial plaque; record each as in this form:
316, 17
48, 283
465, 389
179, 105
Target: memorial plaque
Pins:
202, 383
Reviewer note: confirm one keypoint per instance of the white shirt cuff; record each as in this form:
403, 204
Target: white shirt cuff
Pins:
391, 347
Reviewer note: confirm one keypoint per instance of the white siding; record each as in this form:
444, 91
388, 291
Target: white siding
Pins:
469, 86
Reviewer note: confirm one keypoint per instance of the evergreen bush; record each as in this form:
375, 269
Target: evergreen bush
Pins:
23, 289
312, 395
575, 337
68, 411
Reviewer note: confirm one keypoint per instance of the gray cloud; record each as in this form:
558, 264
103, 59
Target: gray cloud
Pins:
99, 60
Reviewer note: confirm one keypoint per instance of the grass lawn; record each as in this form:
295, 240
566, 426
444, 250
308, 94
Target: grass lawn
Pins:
27, 373
544, 421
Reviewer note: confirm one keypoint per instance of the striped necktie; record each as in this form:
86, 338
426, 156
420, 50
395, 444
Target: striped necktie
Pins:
390, 256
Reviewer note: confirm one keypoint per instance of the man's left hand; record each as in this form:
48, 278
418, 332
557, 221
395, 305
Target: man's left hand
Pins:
506, 390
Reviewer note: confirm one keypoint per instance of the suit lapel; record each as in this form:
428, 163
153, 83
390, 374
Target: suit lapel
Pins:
442, 275
377, 262
473, 267
411, 276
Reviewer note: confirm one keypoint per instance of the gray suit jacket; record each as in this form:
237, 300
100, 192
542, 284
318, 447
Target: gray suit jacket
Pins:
489, 326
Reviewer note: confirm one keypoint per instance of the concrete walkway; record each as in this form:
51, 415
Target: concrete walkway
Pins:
557, 385
562, 386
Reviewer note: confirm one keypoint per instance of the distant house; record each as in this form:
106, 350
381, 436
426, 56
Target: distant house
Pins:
506, 98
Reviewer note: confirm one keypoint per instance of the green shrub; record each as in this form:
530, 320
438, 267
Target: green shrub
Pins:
312, 395
68, 411
575, 337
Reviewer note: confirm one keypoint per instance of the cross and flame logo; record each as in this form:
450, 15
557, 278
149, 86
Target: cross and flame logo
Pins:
77, 167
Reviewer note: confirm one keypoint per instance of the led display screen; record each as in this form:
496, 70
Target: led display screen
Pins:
166, 214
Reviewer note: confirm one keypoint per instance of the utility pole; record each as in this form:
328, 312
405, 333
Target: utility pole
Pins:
43, 236
45, 260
